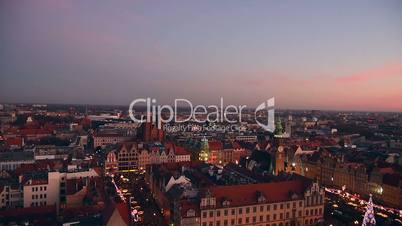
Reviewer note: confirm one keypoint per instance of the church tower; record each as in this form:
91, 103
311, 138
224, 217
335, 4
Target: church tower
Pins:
279, 160
204, 152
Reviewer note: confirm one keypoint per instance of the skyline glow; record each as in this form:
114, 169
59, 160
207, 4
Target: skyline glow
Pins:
308, 55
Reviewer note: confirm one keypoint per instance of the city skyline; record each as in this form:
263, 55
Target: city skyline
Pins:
308, 55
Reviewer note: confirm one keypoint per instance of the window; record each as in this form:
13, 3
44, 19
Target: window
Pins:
45, 188
240, 210
294, 204
300, 203
44, 196
240, 221
287, 215
233, 211
33, 189
274, 206
261, 218
218, 213
204, 224
247, 220
254, 209
274, 217
225, 212
248, 210
225, 223
211, 213
261, 208
254, 219
232, 222
33, 197
281, 216
281, 206
204, 215
287, 205
268, 218
268, 207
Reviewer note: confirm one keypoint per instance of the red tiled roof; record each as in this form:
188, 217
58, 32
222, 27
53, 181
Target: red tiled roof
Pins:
26, 132
14, 141
107, 135
36, 182
98, 170
240, 195
40, 165
181, 151
122, 209
215, 145
387, 170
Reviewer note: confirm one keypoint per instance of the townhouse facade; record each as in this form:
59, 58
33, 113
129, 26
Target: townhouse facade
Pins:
136, 156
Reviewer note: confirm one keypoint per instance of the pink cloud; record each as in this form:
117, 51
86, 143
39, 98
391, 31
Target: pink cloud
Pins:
388, 70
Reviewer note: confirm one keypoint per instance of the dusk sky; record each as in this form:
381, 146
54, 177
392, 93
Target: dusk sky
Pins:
340, 55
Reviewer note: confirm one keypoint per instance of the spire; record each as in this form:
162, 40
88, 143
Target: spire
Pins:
369, 219
278, 128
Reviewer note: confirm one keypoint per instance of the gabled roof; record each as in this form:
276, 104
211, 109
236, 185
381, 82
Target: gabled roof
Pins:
121, 208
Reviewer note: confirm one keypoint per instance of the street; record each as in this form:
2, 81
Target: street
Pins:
144, 209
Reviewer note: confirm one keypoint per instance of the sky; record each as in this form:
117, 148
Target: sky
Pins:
310, 54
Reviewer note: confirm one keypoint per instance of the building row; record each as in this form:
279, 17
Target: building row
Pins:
134, 156
384, 183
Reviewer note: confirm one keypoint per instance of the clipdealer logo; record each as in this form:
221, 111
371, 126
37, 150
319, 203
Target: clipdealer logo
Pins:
201, 113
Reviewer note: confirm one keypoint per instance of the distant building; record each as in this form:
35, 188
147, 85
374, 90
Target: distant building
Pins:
245, 138
13, 160
11, 195
136, 156
42, 188
150, 132
105, 139
111, 163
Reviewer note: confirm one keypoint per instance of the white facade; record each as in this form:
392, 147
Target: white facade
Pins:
43, 194
10, 197
13, 165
